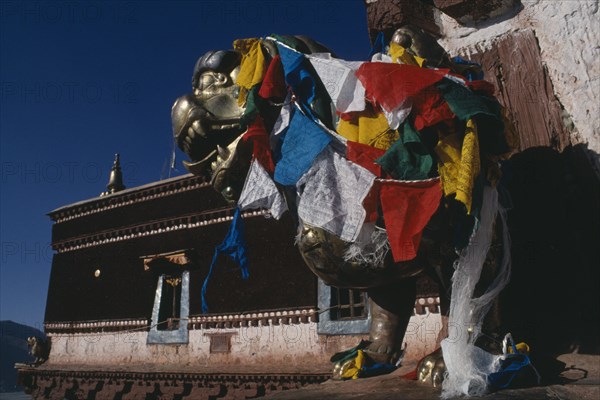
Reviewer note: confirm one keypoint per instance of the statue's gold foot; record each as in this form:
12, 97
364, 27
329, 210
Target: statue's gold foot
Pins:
431, 369
383, 352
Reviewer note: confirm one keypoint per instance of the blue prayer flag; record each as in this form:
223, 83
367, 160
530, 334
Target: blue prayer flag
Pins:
303, 142
234, 245
297, 73
378, 45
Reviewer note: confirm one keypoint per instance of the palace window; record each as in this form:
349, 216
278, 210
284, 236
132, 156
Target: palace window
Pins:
169, 310
172, 298
347, 311
347, 304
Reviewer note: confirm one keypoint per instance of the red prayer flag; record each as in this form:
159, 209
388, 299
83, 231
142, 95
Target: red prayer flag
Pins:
261, 149
371, 202
365, 156
407, 208
273, 84
482, 87
390, 84
430, 108
351, 116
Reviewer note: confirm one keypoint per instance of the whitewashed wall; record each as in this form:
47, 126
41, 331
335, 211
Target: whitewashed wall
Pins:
293, 344
569, 35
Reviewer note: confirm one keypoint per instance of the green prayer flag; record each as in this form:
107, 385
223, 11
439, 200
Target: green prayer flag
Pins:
408, 158
485, 111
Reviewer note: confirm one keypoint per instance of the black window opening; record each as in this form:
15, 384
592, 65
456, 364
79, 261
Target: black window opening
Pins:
347, 304
170, 303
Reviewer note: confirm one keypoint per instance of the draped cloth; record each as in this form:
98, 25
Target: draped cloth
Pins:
280, 127
469, 366
400, 55
297, 74
303, 141
273, 85
365, 156
429, 108
484, 110
465, 103
407, 208
459, 164
260, 192
234, 245
398, 115
283, 121
368, 127
332, 193
390, 85
252, 67
338, 76
408, 158
378, 45
261, 147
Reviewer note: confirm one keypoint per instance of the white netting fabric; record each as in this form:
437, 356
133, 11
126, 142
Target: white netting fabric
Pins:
370, 247
467, 365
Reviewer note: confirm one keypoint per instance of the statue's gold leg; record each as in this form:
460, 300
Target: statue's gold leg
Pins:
391, 309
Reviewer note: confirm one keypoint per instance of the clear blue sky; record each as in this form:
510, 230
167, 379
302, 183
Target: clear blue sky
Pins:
81, 81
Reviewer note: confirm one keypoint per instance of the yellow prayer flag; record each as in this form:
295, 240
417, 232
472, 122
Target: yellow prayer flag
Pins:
372, 129
399, 53
252, 67
459, 164
352, 368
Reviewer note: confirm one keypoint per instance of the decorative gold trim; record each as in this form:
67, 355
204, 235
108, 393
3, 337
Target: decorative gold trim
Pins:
173, 281
175, 257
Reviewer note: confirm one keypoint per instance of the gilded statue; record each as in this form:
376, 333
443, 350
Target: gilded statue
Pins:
208, 124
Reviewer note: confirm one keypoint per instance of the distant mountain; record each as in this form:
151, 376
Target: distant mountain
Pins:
13, 349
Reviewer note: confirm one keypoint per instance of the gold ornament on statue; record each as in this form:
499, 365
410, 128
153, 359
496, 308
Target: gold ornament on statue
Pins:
173, 281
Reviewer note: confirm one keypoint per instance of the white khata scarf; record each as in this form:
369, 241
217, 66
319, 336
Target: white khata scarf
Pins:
468, 366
